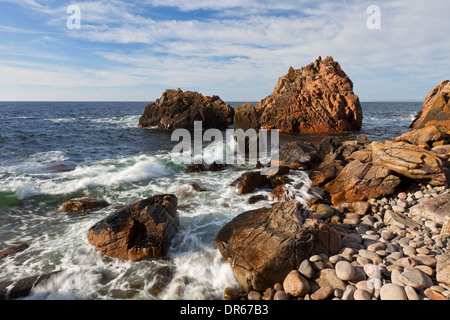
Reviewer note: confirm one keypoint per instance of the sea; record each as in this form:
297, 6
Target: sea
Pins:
110, 158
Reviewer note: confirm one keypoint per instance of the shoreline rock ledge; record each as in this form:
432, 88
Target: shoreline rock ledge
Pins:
179, 110
315, 98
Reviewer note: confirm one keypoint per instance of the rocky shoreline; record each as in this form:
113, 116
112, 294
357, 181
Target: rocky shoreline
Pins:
377, 225
388, 253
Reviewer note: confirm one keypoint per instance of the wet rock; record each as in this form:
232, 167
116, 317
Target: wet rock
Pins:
10, 290
13, 250
62, 167
250, 181
264, 245
139, 231
85, 204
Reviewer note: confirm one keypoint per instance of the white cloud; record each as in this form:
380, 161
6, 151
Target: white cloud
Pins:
240, 49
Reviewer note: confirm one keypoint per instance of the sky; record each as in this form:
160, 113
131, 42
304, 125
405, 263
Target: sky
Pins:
236, 49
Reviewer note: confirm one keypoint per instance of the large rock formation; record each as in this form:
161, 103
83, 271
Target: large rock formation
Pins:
141, 230
264, 245
435, 109
179, 110
316, 98
410, 161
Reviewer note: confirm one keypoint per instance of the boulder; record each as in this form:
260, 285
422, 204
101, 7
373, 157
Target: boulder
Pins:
138, 231
84, 204
263, 246
409, 161
246, 117
179, 110
435, 109
436, 209
360, 181
250, 181
13, 250
298, 154
316, 98
429, 136
10, 289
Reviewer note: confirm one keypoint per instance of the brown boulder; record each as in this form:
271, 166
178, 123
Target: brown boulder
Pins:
179, 110
435, 109
410, 161
250, 181
316, 98
361, 181
138, 231
264, 245
83, 204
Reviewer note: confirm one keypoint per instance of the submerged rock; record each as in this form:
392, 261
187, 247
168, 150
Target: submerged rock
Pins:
316, 98
264, 245
179, 110
141, 230
10, 289
80, 205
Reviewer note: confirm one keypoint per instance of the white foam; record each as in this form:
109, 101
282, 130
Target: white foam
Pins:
102, 173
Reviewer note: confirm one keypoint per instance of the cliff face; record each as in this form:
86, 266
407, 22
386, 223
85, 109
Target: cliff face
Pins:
435, 109
316, 98
178, 110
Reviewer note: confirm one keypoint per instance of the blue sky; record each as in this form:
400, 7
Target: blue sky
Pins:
237, 49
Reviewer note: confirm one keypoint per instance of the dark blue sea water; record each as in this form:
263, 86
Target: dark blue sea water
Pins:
116, 161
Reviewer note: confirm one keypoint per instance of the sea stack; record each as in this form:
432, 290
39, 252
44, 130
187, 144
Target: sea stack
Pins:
179, 110
315, 98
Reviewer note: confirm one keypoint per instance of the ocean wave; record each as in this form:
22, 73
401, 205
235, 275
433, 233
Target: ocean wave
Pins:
129, 121
98, 174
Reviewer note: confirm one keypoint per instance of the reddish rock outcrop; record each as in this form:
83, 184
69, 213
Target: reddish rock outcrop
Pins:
139, 231
435, 109
179, 110
410, 161
264, 245
316, 98
361, 181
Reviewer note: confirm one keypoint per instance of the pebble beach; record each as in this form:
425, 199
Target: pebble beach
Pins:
383, 257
